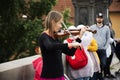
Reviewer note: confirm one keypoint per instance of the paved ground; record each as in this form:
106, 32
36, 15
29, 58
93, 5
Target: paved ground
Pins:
115, 66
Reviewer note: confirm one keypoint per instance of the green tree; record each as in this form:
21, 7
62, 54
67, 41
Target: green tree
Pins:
18, 34
67, 16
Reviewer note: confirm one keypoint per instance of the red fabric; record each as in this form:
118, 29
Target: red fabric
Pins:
79, 60
70, 41
37, 64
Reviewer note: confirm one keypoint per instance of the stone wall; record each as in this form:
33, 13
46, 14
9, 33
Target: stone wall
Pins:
21, 69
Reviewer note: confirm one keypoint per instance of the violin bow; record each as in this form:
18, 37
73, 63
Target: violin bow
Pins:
68, 31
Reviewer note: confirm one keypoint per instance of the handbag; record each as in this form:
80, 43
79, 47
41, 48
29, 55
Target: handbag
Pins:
79, 59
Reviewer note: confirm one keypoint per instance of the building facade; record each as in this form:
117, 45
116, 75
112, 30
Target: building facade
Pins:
79, 8
114, 12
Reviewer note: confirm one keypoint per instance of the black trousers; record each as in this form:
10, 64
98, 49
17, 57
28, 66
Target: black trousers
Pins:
117, 50
103, 58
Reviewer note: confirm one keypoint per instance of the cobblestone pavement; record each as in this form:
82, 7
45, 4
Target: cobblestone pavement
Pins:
115, 66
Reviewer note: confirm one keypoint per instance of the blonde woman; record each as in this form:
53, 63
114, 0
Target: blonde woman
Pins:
52, 48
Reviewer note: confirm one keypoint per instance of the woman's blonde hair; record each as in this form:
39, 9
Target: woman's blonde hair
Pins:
52, 16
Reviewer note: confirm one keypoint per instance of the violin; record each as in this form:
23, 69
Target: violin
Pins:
93, 31
73, 32
63, 33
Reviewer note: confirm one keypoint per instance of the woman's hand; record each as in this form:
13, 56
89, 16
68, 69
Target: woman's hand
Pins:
82, 32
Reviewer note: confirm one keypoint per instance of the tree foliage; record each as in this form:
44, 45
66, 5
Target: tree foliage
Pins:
19, 34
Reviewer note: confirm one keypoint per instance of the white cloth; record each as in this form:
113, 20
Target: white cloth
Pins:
111, 40
95, 62
108, 51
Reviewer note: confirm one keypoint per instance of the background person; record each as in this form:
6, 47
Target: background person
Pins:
102, 37
86, 72
107, 72
92, 48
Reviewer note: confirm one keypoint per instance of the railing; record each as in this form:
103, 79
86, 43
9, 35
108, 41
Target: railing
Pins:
21, 69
